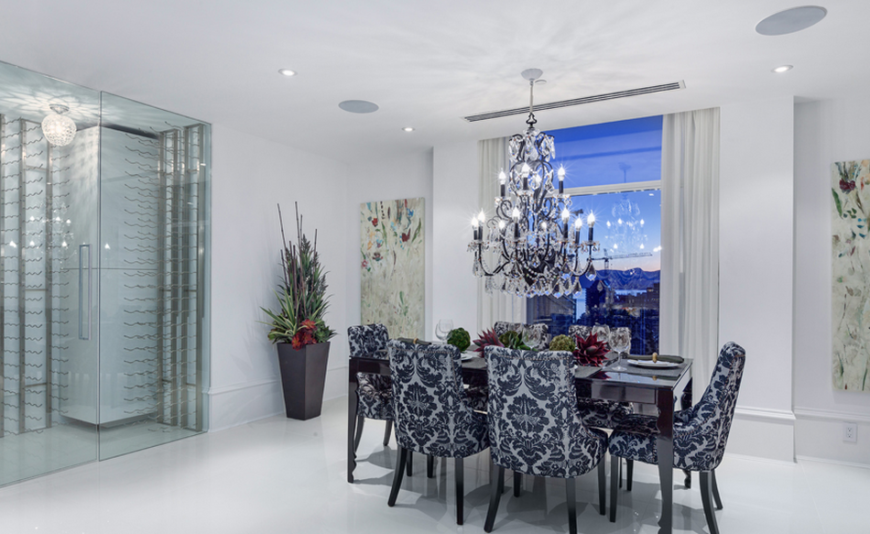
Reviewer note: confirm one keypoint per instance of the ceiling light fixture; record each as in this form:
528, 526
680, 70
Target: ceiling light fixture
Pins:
358, 106
57, 127
538, 248
287, 72
783, 68
791, 20
407, 129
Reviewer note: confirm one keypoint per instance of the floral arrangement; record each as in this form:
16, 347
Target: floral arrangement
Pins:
487, 338
303, 299
563, 343
590, 351
459, 338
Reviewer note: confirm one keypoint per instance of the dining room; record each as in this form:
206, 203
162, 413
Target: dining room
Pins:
475, 267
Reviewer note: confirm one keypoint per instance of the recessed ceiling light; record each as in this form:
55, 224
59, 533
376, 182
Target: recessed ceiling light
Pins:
407, 129
783, 68
287, 72
791, 20
358, 106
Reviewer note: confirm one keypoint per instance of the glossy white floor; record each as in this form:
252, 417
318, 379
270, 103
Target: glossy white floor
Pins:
282, 476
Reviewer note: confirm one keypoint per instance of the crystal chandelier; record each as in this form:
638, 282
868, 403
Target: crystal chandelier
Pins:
538, 250
57, 127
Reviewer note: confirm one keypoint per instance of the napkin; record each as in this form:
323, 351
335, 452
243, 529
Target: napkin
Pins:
661, 358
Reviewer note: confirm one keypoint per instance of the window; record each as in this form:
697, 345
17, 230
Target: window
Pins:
614, 171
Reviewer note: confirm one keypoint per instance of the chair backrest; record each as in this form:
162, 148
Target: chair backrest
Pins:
367, 340
502, 327
712, 416
534, 423
431, 414
579, 330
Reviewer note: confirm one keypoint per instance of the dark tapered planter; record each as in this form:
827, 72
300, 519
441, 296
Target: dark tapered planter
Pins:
303, 374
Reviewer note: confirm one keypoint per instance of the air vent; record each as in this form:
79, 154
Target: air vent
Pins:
578, 101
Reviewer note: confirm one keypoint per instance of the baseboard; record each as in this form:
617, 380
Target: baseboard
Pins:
763, 433
832, 462
819, 437
239, 404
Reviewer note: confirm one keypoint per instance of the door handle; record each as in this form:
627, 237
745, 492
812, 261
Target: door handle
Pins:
83, 335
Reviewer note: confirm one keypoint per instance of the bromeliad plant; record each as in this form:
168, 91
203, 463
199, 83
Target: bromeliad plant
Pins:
591, 351
303, 300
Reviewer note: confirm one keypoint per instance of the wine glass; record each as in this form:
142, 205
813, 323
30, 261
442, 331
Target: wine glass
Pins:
443, 328
620, 342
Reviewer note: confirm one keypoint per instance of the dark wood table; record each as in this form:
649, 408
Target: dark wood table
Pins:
659, 391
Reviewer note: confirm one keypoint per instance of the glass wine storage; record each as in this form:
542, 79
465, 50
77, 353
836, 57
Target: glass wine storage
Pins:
104, 278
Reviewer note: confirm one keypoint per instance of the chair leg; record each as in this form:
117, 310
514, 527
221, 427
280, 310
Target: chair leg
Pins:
716, 497
430, 466
397, 476
387, 433
570, 494
629, 473
501, 483
688, 482
706, 489
620, 473
614, 471
602, 487
459, 469
359, 427
496, 479
410, 462
518, 483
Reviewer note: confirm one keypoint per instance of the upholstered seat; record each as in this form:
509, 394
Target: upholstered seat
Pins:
535, 427
374, 392
603, 414
700, 433
431, 410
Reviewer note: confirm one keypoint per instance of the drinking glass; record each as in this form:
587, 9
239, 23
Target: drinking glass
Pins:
443, 328
620, 342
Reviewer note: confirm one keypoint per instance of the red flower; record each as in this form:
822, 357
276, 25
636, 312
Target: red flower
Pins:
305, 334
406, 236
591, 351
847, 186
375, 222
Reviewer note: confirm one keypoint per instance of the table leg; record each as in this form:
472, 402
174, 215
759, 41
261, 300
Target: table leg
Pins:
352, 408
665, 451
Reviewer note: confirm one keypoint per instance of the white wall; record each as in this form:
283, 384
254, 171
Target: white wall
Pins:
409, 176
249, 177
455, 195
756, 244
825, 132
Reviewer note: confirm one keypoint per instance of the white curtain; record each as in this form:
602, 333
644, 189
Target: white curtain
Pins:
689, 307
497, 306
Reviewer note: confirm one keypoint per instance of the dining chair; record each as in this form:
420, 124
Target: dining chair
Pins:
431, 411
502, 327
374, 391
579, 330
700, 432
539, 332
535, 427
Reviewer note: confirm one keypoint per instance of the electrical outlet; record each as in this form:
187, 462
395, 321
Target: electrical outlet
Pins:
850, 432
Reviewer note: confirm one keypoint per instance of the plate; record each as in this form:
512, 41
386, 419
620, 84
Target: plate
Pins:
648, 364
468, 355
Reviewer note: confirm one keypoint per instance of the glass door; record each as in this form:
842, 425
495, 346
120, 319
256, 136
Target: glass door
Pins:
154, 219
49, 301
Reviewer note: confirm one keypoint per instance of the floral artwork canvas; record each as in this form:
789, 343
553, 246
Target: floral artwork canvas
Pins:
392, 275
851, 275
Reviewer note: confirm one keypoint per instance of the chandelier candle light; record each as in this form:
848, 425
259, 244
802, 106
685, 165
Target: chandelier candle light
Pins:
538, 252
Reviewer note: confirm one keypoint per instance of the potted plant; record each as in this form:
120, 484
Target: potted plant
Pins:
298, 327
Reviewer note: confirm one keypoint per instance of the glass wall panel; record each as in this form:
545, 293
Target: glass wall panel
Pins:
49, 299
154, 220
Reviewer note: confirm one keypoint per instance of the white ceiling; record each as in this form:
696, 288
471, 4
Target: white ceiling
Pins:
426, 64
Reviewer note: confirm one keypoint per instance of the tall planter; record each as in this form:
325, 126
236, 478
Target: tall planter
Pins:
303, 375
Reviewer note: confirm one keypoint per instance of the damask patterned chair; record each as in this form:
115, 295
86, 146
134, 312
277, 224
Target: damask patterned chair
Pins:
535, 427
596, 412
431, 411
502, 327
374, 391
579, 330
700, 433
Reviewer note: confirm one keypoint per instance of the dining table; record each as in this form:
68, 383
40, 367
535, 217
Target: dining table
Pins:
635, 384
